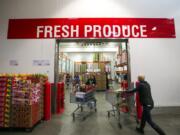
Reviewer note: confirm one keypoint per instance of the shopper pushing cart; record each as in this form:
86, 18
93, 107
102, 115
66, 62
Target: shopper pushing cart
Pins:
147, 102
68, 80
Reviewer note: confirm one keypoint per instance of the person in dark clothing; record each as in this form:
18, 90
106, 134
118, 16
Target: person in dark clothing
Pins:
76, 80
68, 78
94, 80
147, 102
91, 80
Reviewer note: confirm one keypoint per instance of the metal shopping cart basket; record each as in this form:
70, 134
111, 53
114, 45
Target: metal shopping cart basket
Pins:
86, 104
117, 99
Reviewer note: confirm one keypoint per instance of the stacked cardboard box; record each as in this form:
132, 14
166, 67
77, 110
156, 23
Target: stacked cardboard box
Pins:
124, 57
25, 115
101, 81
119, 60
102, 67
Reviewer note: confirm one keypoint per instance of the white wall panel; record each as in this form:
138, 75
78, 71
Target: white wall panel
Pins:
158, 59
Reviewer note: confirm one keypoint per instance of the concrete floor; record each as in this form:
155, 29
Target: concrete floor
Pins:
99, 124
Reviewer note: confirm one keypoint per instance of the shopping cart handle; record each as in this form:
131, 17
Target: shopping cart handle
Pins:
125, 94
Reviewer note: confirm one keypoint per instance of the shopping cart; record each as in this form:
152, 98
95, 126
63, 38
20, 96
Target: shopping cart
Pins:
118, 100
84, 100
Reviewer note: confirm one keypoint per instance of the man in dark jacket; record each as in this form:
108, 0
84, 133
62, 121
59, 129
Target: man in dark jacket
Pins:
147, 102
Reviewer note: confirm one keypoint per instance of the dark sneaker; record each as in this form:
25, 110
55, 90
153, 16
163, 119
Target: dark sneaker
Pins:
139, 130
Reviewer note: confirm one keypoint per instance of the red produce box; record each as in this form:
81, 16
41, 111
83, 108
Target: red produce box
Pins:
1, 124
3, 79
3, 89
2, 94
1, 119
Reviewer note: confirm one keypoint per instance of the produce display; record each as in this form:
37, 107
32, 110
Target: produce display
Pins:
5, 100
21, 99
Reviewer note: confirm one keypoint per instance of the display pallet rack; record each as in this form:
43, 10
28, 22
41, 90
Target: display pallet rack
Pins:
26, 101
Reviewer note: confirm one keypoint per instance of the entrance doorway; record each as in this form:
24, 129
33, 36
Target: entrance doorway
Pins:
106, 59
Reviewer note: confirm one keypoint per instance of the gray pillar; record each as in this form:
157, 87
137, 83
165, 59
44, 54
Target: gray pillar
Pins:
130, 99
129, 64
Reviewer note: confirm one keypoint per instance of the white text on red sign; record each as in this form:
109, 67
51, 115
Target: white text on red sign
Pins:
105, 31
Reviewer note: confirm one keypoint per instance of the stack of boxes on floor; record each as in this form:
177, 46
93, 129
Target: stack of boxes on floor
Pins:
25, 100
100, 68
104, 68
101, 81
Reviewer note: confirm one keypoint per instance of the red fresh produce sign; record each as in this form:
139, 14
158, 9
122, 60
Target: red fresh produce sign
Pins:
91, 28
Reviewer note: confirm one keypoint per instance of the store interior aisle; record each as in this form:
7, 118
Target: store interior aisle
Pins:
98, 123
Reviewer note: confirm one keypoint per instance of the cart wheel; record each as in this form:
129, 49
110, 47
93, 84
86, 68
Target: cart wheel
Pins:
119, 125
137, 121
108, 114
41, 121
95, 110
81, 109
84, 118
28, 130
73, 115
